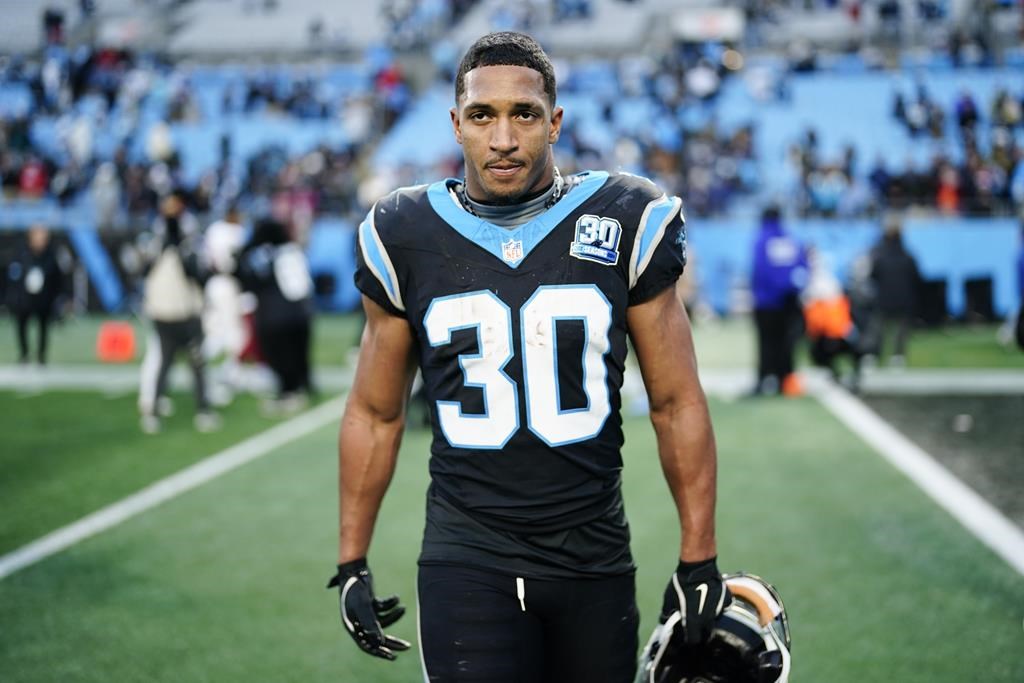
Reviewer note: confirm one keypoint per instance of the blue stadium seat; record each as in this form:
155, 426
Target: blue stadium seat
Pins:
423, 136
15, 100
331, 251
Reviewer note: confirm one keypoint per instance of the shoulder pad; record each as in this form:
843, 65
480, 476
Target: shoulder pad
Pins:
395, 211
402, 197
643, 188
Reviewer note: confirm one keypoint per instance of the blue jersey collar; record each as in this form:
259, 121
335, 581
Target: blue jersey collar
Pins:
511, 246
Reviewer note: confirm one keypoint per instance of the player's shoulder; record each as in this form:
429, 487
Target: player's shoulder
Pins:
399, 205
393, 216
636, 201
633, 189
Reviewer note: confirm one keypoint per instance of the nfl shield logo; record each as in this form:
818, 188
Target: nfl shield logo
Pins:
512, 251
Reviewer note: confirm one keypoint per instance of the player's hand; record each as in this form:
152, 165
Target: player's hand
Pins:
363, 615
697, 592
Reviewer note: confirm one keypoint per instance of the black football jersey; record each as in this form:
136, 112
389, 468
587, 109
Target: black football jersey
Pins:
521, 335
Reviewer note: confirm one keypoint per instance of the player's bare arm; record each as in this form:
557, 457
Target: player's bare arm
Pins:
372, 426
371, 432
660, 330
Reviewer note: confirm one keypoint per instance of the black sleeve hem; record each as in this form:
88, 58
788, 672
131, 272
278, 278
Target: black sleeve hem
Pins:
651, 290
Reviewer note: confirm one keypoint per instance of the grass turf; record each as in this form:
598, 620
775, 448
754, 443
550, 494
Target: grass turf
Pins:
74, 452
980, 439
720, 343
226, 582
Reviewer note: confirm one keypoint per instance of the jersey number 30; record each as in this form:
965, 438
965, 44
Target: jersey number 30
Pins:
492, 320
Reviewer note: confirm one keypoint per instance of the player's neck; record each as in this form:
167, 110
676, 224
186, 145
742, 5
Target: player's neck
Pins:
514, 215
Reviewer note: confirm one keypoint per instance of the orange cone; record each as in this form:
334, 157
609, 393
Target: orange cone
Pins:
792, 385
115, 342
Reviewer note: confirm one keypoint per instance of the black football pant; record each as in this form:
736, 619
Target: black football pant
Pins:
286, 350
482, 627
897, 327
175, 337
777, 332
24, 318
825, 351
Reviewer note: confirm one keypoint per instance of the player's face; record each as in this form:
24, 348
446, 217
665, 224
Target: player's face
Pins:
506, 127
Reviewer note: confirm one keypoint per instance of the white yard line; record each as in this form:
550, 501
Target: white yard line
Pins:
957, 382
173, 486
985, 522
125, 378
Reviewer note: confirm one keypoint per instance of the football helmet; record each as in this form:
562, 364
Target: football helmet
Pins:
749, 643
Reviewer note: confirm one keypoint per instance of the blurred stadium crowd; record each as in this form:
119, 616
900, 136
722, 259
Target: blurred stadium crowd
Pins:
308, 111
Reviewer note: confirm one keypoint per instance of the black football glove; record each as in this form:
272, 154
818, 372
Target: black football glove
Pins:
363, 615
697, 592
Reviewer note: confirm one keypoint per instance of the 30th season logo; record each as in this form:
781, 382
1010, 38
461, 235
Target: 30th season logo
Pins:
597, 240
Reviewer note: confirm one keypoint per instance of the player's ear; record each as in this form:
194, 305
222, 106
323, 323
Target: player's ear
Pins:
556, 125
456, 124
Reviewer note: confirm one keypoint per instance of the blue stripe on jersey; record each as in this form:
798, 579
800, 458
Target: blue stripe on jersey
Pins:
490, 236
379, 263
651, 236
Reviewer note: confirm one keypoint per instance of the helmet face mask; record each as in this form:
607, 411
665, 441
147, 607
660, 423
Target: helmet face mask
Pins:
749, 644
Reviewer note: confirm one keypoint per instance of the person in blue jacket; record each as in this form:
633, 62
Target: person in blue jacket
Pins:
779, 273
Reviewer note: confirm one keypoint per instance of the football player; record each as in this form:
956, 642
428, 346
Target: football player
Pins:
514, 290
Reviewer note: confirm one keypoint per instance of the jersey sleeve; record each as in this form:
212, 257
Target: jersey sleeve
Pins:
375, 270
659, 249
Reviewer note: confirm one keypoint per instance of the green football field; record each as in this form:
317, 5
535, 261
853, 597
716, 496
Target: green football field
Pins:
226, 582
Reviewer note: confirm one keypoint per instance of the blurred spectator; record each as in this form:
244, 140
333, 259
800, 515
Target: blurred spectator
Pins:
224, 327
107, 195
274, 268
890, 17
779, 273
173, 301
827, 186
879, 178
897, 279
947, 197
33, 180
863, 296
1020, 291
415, 23
966, 111
392, 92
828, 320
702, 81
1006, 111
572, 9
53, 25
35, 281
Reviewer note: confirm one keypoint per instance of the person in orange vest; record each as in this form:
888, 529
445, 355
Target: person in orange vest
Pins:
828, 323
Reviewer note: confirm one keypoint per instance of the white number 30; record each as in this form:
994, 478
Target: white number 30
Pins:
492, 320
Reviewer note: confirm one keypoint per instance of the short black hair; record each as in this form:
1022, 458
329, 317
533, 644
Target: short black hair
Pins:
506, 48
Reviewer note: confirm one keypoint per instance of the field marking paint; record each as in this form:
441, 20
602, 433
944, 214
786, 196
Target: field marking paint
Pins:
975, 513
173, 486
